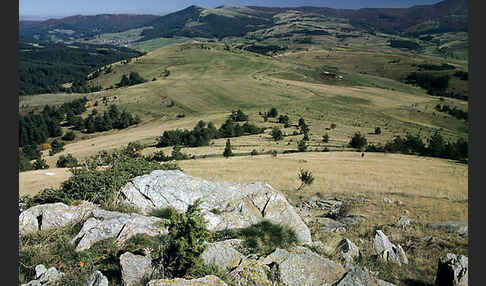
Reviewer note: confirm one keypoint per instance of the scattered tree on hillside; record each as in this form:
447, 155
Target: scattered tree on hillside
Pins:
227, 149
358, 141
277, 133
306, 178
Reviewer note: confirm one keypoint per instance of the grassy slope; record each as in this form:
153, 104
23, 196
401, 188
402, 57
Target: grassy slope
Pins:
208, 83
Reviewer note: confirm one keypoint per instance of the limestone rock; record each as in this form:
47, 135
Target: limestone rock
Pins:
209, 280
251, 272
238, 205
330, 225
48, 216
107, 224
96, 279
301, 266
347, 250
46, 277
388, 251
403, 221
387, 200
452, 270
134, 268
459, 227
223, 254
359, 277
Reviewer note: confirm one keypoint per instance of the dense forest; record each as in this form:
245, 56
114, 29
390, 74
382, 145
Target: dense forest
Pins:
44, 68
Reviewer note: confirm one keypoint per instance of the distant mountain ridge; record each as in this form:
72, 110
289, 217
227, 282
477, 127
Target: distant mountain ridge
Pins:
227, 21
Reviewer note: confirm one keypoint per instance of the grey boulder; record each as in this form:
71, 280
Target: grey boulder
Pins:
301, 266
223, 254
209, 280
452, 270
347, 250
49, 216
96, 279
387, 251
459, 227
45, 276
108, 224
134, 268
224, 205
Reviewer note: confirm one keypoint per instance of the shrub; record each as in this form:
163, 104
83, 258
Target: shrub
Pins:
187, 237
273, 112
238, 116
284, 119
40, 164
66, 161
227, 149
177, 154
56, 147
254, 152
358, 141
160, 157
69, 136
277, 133
333, 126
302, 146
161, 213
265, 236
306, 178
274, 153
377, 130
325, 138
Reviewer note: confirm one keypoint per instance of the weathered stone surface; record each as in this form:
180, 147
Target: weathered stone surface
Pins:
330, 225
209, 280
387, 200
96, 279
388, 251
45, 277
134, 268
301, 266
251, 272
48, 216
356, 276
347, 250
107, 224
459, 227
223, 254
452, 270
403, 221
238, 205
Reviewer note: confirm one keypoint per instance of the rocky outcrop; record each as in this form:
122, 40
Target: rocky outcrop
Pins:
301, 266
251, 272
224, 205
356, 276
209, 280
96, 279
348, 251
387, 251
403, 222
459, 227
107, 224
49, 216
45, 276
134, 268
223, 254
452, 270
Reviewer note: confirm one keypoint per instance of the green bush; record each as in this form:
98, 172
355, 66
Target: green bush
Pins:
187, 237
358, 141
56, 147
227, 149
238, 116
277, 133
305, 177
325, 138
302, 146
265, 236
66, 161
69, 136
377, 130
40, 164
273, 112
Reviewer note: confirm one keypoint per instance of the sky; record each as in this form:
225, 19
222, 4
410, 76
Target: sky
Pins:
160, 7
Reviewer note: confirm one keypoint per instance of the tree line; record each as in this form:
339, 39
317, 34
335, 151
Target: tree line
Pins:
203, 132
457, 113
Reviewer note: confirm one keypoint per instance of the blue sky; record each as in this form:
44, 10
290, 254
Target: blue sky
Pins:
70, 7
